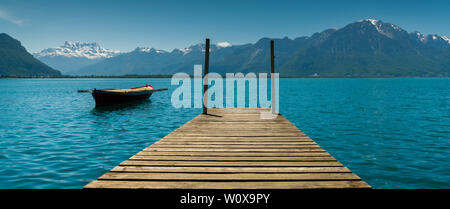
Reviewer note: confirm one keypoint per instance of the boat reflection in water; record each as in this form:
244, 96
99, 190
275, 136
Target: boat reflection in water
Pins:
122, 107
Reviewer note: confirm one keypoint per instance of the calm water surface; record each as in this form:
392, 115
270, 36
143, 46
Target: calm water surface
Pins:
394, 133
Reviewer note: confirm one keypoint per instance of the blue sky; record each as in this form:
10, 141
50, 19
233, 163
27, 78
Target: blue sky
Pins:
167, 24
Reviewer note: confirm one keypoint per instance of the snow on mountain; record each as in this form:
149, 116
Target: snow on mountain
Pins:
78, 50
201, 48
396, 27
446, 39
384, 28
223, 44
420, 36
372, 21
433, 40
150, 50
143, 49
183, 51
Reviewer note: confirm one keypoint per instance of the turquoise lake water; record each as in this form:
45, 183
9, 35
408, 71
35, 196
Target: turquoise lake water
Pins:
393, 133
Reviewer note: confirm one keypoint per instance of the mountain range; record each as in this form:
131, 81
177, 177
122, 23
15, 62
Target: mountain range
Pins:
16, 61
72, 56
365, 48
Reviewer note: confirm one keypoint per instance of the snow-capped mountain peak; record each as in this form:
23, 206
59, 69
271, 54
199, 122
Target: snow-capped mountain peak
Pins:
78, 50
446, 39
372, 21
420, 36
433, 39
143, 49
201, 48
223, 44
387, 29
182, 51
188, 50
150, 50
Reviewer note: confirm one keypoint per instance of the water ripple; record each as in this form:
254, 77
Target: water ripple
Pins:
394, 133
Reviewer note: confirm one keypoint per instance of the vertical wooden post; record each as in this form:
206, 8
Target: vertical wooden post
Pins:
272, 76
205, 84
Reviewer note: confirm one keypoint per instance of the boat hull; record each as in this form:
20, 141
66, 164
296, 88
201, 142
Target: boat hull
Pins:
104, 97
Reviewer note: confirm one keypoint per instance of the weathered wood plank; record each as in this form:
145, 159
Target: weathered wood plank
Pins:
241, 120
237, 110
228, 184
202, 158
234, 138
237, 120
229, 176
196, 129
231, 164
268, 141
232, 150
151, 169
165, 142
244, 132
236, 146
234, 154
238, 124
231, 133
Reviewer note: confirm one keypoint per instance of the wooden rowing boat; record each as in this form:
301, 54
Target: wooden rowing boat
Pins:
104, 97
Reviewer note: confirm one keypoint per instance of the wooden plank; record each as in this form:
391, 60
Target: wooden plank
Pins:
234, 154
232, 150
237, 129
152, 169
232, 116
301, 137
217, 130
238, 124
236, 139
165, 142
236, 146
231, 164
231, 133
255, 122
224, 123
202, 158
246, 140
282, 123
228, 184
237, 110
229, 176
240, 118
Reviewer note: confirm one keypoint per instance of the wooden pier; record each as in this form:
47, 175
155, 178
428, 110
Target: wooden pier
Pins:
232, 149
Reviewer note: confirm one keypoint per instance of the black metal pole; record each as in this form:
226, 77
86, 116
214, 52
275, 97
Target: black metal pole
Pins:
272, 72
272, 57
205, 84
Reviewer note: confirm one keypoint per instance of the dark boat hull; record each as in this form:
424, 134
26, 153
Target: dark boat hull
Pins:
103, 98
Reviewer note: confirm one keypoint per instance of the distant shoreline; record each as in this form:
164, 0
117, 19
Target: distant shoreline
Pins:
91, 76
170, 76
